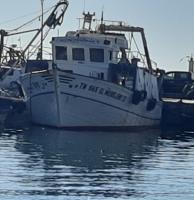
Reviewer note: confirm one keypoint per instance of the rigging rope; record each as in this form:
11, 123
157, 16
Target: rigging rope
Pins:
37, 45
143, 60
30, 21
14, 19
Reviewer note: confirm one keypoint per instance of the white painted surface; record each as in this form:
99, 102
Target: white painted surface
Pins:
66, 103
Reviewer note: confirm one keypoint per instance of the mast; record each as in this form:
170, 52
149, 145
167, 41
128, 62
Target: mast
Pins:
3, 33
52, 21
42, 18
149, 63
87, 20
191, 64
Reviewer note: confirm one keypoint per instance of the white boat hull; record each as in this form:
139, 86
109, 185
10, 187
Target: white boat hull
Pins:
72, 100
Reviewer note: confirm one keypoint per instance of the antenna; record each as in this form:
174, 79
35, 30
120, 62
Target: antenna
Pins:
102, 15
84, 5
191, 64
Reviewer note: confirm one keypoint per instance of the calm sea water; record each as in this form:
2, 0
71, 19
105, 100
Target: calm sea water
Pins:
43, 164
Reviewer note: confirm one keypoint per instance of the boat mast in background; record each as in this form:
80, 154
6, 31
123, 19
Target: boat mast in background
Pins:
42, 18
191, 64
10, 56
52, 21
3, 33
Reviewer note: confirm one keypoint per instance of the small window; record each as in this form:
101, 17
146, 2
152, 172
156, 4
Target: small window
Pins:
96, 55
169, 76
101, 76
61, 53
78, 54
182, 76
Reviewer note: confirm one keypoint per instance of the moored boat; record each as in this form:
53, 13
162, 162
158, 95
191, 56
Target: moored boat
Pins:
13, 60
178, 98
10, 104
93, 82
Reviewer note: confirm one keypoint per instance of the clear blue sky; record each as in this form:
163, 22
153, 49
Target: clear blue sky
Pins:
168, 24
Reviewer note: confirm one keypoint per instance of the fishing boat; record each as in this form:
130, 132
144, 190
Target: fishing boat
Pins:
177, 93
176, 84
10, 104
13, 60
93, 82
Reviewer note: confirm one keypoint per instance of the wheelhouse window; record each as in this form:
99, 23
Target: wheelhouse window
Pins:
169, 76
96, 55
78, 54
182, 76
61, 53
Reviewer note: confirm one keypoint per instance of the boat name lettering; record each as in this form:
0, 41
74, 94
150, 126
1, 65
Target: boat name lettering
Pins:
38, 85
83, 86
115, 95
102, 91
79, 40
93, 88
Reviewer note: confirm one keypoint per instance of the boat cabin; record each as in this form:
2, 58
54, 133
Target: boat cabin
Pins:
97, 55
88, 54
174, 83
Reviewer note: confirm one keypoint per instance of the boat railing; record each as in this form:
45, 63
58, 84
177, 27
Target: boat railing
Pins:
142, 59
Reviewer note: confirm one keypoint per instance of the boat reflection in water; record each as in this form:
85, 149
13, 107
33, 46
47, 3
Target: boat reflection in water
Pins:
84, 164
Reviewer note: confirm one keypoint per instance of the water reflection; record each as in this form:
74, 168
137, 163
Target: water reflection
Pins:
41, 163
82, 164
177, 134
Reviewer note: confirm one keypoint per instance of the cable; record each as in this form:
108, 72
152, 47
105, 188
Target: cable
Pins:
36, 46
143, 60
14, 19
30, 21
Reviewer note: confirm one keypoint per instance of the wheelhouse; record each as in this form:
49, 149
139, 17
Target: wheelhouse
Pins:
88, 54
